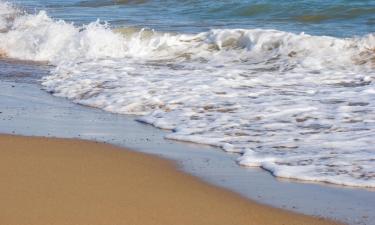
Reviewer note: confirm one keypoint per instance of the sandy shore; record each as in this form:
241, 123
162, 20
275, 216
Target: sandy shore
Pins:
60, 181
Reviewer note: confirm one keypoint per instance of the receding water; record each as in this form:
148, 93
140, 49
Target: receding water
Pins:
287, 85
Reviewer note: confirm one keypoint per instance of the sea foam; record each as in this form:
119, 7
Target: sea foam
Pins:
297, 105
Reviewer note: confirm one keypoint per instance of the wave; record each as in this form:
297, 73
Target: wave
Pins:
297, 105
336, 12
102, 3
38, 37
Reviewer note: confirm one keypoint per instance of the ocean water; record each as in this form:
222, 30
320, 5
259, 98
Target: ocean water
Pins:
287, 85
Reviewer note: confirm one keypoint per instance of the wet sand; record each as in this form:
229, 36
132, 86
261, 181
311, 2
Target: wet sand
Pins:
61, 181
27, 110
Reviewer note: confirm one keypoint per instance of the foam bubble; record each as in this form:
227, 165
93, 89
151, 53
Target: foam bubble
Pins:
297, 105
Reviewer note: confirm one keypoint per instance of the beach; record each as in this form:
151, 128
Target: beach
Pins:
207, 112
61, 181
29, 111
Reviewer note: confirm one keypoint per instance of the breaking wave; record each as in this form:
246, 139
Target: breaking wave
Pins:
297, 105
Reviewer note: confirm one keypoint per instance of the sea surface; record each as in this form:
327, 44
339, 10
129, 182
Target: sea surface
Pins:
289, 86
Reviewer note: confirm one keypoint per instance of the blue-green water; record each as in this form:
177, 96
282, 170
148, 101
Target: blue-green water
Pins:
342, 18
288, 85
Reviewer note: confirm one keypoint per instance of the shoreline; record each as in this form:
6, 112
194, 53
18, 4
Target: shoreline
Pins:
29, 111
61, 181
310, 140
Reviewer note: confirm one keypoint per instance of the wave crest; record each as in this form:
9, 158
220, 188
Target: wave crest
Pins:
297, 105
38, 37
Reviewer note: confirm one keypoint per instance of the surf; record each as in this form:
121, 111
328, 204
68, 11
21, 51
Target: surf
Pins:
297, 105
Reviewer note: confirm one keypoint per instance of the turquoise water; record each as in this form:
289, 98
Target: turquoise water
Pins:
340, 18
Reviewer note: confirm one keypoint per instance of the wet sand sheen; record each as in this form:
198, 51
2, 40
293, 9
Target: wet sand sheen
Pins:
59, 181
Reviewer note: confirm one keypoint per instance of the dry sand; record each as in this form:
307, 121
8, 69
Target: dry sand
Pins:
47, 181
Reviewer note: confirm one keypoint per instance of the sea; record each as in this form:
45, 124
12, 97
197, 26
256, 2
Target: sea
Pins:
287, 86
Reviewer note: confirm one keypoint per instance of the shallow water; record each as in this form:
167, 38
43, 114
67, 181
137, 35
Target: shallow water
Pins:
343, 18
28, 110
239, 75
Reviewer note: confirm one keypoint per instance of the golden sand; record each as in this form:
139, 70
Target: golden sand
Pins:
2, 54
47, 181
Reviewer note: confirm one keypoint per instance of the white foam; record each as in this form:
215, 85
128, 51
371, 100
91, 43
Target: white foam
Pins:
297, 105
7, 13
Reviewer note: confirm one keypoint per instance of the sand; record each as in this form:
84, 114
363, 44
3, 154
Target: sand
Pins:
47, 181
2, 54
